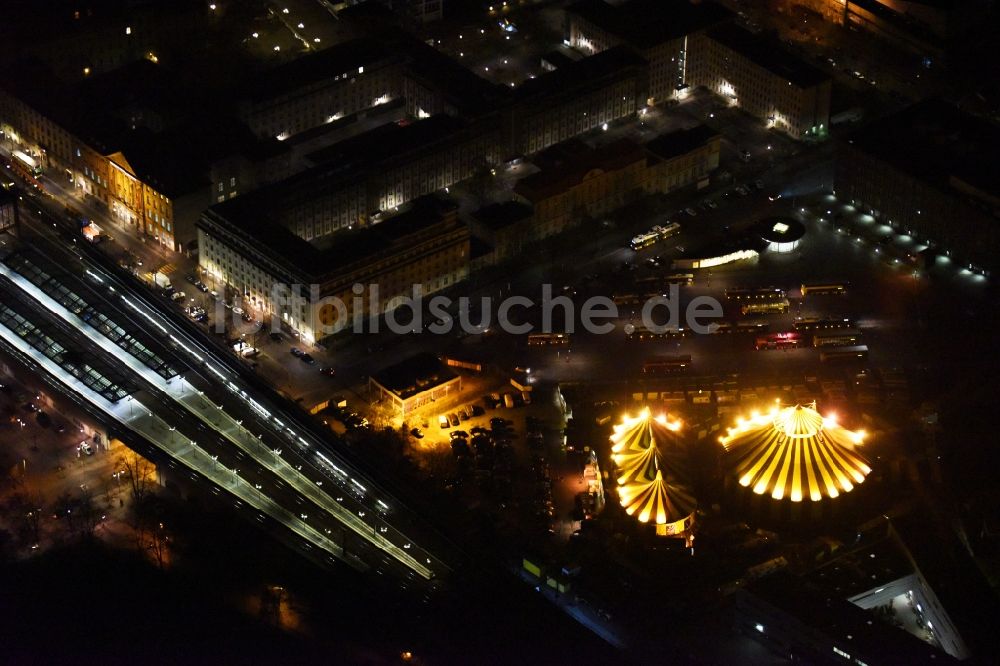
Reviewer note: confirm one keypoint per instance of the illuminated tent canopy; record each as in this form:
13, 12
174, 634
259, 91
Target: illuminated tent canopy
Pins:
795, 452
646, 453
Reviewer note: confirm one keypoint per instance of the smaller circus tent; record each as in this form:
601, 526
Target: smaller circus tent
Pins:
649, 461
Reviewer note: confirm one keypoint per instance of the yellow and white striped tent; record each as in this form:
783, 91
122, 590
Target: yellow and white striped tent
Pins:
795, 452
646, 452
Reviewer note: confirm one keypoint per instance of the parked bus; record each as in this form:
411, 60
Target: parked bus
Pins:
817, 288
752, 326
661, 365
643, 334
842, 338
655, 235
788, 340
765, 307
547, 339
812, 324
754, 295
749, 326
844, 354
657, 284
27, 162
683, 279
629, 300
27, 169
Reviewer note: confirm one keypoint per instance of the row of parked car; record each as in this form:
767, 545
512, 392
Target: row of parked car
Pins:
488, 454
453, 419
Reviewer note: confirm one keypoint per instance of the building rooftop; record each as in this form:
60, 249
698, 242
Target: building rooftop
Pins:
939, 144
680, 142
341, 58
414, 375
389, 141
463, 90
847, 625
769, 53
582, 73
647, 23
339, 250
497, 216
556, 58
166, 130
568, 164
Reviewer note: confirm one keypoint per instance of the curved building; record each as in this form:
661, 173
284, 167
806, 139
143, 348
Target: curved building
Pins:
647, 455
795, 453
782, 234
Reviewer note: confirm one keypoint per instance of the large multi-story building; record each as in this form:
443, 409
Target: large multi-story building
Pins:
128, 140
681, 158
243, 246
357, 180
576, 181
758, 75
928, 170
658, 30
577, 98
320, 88
95, 37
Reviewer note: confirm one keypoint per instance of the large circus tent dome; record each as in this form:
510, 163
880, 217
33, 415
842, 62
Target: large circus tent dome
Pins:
649, 461
795, 453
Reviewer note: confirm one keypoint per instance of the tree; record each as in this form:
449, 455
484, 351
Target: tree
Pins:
26, 513
139, 472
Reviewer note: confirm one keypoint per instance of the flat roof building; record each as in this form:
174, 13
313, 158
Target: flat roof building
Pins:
244, 247
412, 383
658, 30
928, 170
757, 74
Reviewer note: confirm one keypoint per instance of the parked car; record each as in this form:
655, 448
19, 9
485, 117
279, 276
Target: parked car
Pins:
418, 433
453, 418
306, 358
296, 352
691, 211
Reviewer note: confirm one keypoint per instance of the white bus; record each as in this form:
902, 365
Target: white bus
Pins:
655, 235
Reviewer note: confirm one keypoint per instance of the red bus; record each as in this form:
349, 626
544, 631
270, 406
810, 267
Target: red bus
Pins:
788, 340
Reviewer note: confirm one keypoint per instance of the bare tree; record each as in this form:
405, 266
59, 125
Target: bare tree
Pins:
26, 513
139, 472
88, 515
158, 540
